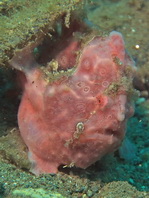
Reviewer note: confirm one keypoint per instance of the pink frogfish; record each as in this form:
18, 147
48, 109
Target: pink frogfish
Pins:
75, 108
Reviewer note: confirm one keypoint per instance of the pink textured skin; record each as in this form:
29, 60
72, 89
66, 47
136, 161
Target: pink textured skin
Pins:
72, 121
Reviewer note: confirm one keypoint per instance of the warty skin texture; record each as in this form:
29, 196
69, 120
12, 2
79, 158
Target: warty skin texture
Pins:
76, 119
